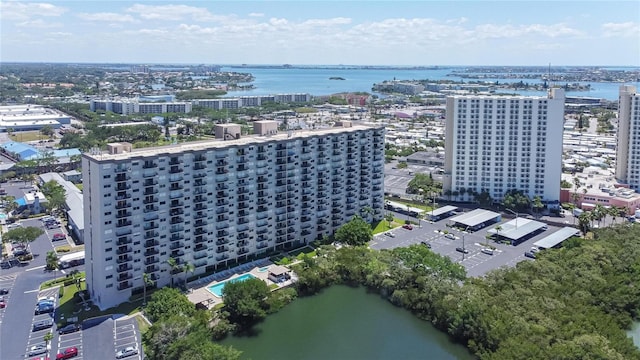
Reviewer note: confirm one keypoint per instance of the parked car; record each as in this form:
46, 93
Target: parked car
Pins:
43, 324
40, 358
37, 350
450, 236
44, 308
462, 250
407, 226
3, 303
13, 226
67, 353
4, 291
425, 244
390, 234
487, 251
530, 254
53, 225
68, 329
126, 352
58, 237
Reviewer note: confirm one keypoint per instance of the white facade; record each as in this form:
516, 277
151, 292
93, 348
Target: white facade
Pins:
502, 143
628, 146
214, 202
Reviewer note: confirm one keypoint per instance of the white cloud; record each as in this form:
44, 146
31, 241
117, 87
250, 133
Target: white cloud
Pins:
626, 29
108, 17
326, 22
39, 24
20, 11
174, 13
256, 14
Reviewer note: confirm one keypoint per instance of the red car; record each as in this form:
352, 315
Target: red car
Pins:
68, 353
3, 304
407, 226
59, 236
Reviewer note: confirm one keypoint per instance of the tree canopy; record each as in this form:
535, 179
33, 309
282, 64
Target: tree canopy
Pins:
23, 234
246, 301
355, 232
167, 302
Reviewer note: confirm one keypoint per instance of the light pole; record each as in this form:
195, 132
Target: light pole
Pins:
463, 248
514, 213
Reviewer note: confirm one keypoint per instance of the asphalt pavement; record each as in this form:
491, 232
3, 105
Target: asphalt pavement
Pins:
475, 261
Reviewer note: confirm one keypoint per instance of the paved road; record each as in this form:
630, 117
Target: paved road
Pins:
475, 262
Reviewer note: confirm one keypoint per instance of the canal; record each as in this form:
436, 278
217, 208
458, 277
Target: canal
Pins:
346, 323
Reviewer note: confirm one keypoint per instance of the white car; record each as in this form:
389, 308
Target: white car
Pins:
37, 350
126, 352
450, 236
13, 226
487, 251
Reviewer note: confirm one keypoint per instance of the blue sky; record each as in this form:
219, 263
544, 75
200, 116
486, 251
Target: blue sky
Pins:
323, 32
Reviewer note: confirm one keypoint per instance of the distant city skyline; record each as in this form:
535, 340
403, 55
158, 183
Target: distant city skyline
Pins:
533, 33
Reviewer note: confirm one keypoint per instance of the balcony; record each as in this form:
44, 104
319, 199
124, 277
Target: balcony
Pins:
121, 169
151, 243
148, 174
199, 255
200, 247
175, 187
151, 235
175, 170
200, 223
199, 207
222, 257
199, 240
149, 164
123, 196
124, 259
151, 269
151, 260
176, 228
243, 251
124, 267
199, 231
176, 220
150, 200
151, 226
124, 285
122, 214
123, 205
124, 241
176, 203
123, 223
125, 276
176, 245
222, 241
222, 249
124, 250
123, 187
150, 208
150, 252
176, 253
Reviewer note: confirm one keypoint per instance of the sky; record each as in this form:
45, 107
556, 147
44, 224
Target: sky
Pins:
347, 32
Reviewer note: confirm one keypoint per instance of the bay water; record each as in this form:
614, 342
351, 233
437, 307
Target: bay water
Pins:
346, 323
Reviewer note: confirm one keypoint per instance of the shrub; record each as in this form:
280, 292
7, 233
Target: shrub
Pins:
61, 292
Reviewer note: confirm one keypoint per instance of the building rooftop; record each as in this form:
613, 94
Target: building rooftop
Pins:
556, 238
475, 217
517, 228
221, 144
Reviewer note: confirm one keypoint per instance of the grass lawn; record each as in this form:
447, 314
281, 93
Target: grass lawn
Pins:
68, 307
68, 248
383, 225
143, 325
59, 280
23, 136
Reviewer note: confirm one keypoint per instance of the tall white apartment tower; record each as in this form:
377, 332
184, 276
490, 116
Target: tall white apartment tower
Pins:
218, 202
628, 147
502, 143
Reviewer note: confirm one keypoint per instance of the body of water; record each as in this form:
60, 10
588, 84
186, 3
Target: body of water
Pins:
315, 81
634, 333
217, 288
346, 323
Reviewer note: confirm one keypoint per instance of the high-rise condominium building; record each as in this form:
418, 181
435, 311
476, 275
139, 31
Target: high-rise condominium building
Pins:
501, 143
223, 201
628, 147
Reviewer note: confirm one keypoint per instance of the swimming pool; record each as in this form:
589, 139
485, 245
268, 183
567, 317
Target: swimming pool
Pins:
3, 216
217, 288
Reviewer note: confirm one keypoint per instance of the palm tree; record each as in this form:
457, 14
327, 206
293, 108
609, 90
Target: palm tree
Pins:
47, 338
188, 268
52, 261
174, 268
498, 228
146, 279
366, 212
584, 220
575, 195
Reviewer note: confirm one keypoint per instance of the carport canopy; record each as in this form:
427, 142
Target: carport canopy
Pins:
518, 228
441, 211
476, 217
556, 238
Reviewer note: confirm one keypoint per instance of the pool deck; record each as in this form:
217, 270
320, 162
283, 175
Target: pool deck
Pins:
199, 292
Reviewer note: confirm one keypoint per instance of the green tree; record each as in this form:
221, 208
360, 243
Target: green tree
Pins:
355, 232
537, 204
146, 281
23, 235
175, 267
245, 301
47, 338
389, 218
188, 268
52, 261
47, 130
167, 302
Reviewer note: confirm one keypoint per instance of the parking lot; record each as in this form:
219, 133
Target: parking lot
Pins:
37, 337
6, 282
125, 333
475, 261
